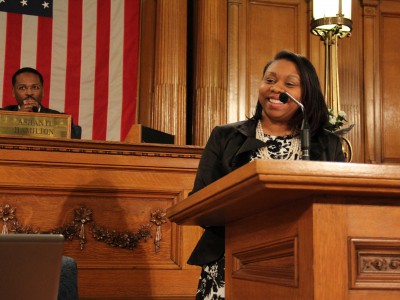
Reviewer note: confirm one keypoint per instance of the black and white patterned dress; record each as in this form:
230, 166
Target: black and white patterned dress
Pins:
279, 147
212, 281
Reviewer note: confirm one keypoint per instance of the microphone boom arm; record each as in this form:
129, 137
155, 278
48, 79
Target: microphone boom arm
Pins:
305, 127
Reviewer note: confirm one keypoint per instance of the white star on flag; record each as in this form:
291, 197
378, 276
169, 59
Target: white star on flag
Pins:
24, 2
45, 4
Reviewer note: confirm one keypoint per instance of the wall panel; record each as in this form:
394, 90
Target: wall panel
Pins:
390, 66
257, 31
114, 191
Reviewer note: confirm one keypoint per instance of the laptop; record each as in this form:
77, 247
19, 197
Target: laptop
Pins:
30, 266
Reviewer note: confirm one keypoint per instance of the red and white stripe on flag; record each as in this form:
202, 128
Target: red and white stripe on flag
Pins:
88, 56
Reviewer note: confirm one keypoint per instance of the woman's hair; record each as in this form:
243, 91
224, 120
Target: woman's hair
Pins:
312, 97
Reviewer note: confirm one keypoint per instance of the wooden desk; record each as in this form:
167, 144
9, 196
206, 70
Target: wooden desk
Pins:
305, 230
48, 180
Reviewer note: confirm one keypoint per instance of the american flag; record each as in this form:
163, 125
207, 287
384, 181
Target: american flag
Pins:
87, 52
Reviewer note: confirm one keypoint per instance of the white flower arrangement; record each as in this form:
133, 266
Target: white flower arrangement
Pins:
336, 123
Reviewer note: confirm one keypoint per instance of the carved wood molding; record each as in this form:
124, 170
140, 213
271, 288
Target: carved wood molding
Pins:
369, 2
370, 11
83, 222
97, 151
374, 263
98, 147
275, 262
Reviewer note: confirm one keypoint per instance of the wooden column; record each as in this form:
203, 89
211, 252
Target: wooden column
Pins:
371, 81
210, 102
236, 103
169, 109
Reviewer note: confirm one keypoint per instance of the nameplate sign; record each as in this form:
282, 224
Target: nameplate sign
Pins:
35, 124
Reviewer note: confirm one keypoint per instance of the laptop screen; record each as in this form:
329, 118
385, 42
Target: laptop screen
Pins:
30, 265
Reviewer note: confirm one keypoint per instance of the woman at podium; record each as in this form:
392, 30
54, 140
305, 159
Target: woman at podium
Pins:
275, 131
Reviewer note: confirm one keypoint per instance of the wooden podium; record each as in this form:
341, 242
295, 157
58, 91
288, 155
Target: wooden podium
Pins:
305, 230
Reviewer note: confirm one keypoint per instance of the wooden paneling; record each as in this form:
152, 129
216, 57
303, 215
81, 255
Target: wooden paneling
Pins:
267, 34
122, 184
148, 14
374, 262
210, 78
169, 106
371, 83
381, 61
390, 62
350, 59
257, 31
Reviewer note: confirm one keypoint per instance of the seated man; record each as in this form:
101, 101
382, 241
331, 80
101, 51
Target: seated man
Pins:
28, 91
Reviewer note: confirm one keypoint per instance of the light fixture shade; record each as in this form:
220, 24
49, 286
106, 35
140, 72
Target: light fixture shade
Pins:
328, 14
